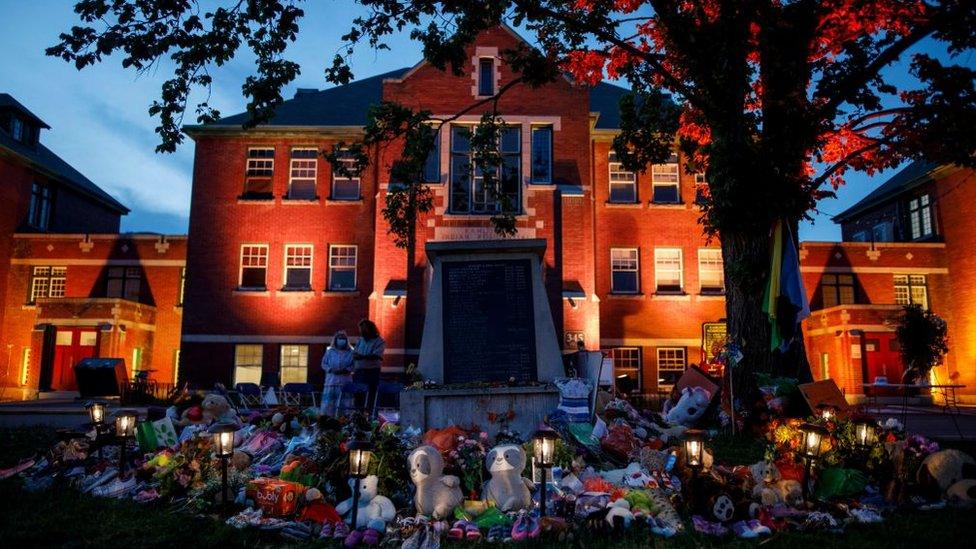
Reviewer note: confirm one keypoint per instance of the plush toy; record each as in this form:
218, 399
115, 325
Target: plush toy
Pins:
371, 504
437, 494
690, 406
620, 508
711, 498
944, 468
962, 493
215, 408
507, 487
771, 488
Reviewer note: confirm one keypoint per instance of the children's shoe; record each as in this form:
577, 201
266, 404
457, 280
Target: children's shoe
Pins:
742, 530
457, 531
520, 530
534, 527
471, 531
661, 528
498, 533
354, 539
371, 536
703, 526
326, 531
340, 531
758, 528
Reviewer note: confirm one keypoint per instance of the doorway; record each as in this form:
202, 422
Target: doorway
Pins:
71, 345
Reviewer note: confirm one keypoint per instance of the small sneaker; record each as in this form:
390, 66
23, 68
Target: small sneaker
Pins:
520, 530
354, 539
340, 531
498, 533
471, 531
457, 531
759, 528
742, 530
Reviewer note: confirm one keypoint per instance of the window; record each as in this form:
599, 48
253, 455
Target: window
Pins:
39, 211
627, 362
469, 191
342, 268
17, 129
259, 173
624, 270
920, 215
670, 365
824, 366
911, 289
248, 360
254, 266
668, 276
179, 302
486, 76
124, 282
294, 364
432, 167
47, 282
136, 360
860, 236
837, 290
302, 172
542, 154
711, 273
623, 184
664, 182
882, 232
346, 188
701, 188
298, 267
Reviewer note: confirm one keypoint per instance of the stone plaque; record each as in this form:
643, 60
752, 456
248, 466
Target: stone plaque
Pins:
489, 321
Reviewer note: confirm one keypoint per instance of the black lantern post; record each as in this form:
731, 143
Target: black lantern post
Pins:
96, 413
695, 450
810, 446
360, 454
125, 428
544, 446
223, 441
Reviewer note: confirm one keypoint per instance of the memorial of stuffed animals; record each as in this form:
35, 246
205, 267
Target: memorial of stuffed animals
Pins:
594, 467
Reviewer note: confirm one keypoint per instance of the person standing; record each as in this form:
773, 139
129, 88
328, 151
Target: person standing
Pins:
368, 357
337, 362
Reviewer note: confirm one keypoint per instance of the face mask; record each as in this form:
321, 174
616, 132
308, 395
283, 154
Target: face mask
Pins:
341, 343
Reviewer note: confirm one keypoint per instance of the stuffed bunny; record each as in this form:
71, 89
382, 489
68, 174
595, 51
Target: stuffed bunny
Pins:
437, 494
508, 488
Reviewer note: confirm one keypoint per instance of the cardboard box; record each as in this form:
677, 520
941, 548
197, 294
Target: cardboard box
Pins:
277, 498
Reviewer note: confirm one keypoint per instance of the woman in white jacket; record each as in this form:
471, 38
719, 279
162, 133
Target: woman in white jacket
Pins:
337, 362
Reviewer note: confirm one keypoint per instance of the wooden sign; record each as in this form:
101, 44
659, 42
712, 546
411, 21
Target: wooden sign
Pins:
714, 335
824, 393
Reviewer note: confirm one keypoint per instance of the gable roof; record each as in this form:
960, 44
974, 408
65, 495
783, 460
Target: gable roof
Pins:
913, 175
53, 165
347, 105
7, 102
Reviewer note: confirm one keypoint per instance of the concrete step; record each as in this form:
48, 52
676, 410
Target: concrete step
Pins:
58, 395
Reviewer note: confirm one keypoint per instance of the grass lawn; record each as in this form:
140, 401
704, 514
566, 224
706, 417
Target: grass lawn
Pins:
68, 519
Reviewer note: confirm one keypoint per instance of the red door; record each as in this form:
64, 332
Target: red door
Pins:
883, 357
71, 345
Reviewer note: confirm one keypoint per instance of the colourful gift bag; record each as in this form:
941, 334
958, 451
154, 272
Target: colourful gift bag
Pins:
153, 435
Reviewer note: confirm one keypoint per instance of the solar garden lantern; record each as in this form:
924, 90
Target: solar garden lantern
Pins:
827, 412
865, 434
544, 446
810, 447
125, 428
360, 454
223, 440
695, 449
96, 413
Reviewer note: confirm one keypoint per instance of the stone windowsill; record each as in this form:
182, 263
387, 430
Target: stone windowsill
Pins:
711, 296
342, 202
635, 205
255, 200
296, 291
613, 295
670, 296
337, 293
666, 205
261, 292
301, 201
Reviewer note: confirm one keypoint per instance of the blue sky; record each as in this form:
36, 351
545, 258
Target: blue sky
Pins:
101, 126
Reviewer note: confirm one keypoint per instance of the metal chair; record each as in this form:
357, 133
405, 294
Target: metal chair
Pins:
387, 391
249, 395
298, 394
349, 395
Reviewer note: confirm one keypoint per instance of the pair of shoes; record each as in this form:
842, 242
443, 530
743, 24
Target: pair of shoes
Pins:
340, 530
498, 533
116, 488
353, 539
526, 526
750, 529
371, 536
661, 527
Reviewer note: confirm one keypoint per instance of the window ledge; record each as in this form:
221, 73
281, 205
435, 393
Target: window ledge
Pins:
252, 291
610, 204
255, 200
344, 201
542, 186
613, 295
340, 293
485, 216
670, 296
300, 290
711, 296
667, 205
300, 201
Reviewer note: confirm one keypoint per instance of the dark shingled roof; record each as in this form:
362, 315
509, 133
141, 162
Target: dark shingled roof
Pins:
912, 176
347, 105
8, 102
48, 161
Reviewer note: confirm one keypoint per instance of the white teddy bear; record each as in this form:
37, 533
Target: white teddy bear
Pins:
371, 504
690, 406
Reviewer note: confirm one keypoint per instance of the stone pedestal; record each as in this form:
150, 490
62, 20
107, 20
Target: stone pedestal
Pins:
488, 316
471, 407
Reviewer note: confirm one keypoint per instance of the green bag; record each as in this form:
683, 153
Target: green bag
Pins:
840, 483
153, 435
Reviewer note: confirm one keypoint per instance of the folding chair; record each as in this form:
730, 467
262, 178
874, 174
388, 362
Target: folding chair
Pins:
349, 395
388, 393
298, 394
249, 395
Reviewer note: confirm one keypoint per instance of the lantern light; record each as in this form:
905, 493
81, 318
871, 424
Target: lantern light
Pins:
96, 412
360, 454
827, 412
865, 434
125, 423
694, 448
813, 436
223, 439
544, 444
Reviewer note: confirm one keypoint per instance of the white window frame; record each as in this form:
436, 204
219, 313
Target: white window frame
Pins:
307, 262
261, 164
334, 266
708, 264
480, 78
683, 351
658, 256
240, 274
255, 360
920, 215
615, 168
48, 282
637, 356
479, 198
346, 158
301, 354
616, 264
549, 153
906, 285
301, 166
666, 175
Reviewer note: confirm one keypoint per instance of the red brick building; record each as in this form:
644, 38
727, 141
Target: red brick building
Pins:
909, 241
70, 286
282, 253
